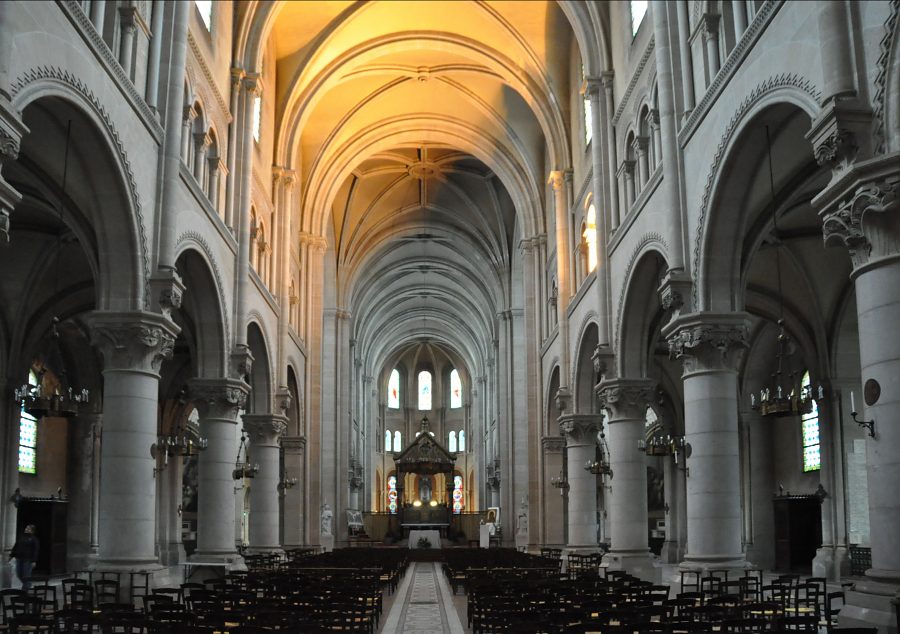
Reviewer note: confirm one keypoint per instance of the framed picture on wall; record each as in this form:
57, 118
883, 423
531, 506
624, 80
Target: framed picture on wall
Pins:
493, 515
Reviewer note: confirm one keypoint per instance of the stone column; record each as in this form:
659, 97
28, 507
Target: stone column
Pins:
760, 539
12, 129
557, 180
98, 14
739, 12
202, 141
126, 48
218, 402
602, 198
626, 400
234, 133
133, 346
711, 44
672, 549
293, 520
627, 171
684, 50
710, 346
606, 78
265, 431
97, 434
863, 214
831, 559
80, 487
837, 53
580, 431
641, 144
156, 38
214, 170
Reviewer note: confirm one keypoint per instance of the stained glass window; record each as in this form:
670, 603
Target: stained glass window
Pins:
387, 440
205, 9
638, 11
398, 444
425, 390
455, 390
393, 396
458, 501
462, 440
28, 436
392, 493
590, 237
812, 458
451, 445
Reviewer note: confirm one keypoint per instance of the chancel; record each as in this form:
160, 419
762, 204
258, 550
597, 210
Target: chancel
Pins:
425, 315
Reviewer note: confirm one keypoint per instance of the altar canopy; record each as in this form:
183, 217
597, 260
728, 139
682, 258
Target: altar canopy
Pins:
425, 455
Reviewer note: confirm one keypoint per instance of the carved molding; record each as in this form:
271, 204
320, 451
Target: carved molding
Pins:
756, 95
626, 399
867, 238
210, 81
53, 73
635, 76
132, 341
709, 341
881, 78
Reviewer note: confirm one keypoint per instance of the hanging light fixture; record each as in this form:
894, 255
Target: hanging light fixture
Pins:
244, 469
782, 396
53, 398
600, 467
183, 440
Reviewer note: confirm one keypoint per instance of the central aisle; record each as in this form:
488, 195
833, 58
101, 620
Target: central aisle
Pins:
424, 604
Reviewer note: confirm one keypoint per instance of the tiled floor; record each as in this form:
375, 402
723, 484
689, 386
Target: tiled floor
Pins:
423, 604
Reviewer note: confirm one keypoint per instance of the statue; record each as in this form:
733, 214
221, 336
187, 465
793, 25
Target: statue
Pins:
522, 518
425, 489
326, 519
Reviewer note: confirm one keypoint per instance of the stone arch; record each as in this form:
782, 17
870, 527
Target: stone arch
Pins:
202, 313
260, 400
295, 412
640, 313
553, 411
585, 378
112, 221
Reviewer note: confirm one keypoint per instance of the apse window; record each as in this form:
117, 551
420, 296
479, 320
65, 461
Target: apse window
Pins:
392, 494
812, 457
257, 118
462, 440
458, 500
424, 390
455, 390
398, 441
451, 442
28, 436
638, 10
387, 440
590, 237
393, 395
205, 9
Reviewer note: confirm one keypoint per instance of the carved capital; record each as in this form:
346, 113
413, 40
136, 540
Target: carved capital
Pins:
710, 24
218, 398
626, 168
580, 429
167, 291
602, 357
264, 429
841, 134
241, 362
132, 340
708, 341
867, 221
626, 398
283, 401
553, 444
294, 445
593, 87
563, 399
641, 144
250, 83
556, 179
674, 291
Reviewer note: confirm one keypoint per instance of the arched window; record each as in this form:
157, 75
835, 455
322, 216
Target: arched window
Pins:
425, 390
590, 237
638, 11
393, 396
257, 118
205, 8
398, 441
462, 440
458, 500
451, 445
387, 440
28, 435
812, 457
392, 493
455, 390
586, 107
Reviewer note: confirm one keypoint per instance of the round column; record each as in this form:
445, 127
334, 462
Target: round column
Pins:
626, 401
710, 346
580, 431
293, 519
218, 402
265, 431
133, 346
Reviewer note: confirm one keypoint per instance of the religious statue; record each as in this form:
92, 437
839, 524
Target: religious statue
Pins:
425, 489
522, 518
326, 519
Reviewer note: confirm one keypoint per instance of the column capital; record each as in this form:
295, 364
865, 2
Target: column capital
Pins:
553, 444
283, 400
626, 167
241, 362
592, 87
264, 429
603, 358
189, 114
626, 398
865, 217
250, 82
641, 143
132, 340
841, 133
675, 292
295, 445
203, 140
218, 398
710, 24
557, 179
708, 341
580, 429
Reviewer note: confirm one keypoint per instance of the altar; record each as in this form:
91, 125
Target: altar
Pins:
432, 536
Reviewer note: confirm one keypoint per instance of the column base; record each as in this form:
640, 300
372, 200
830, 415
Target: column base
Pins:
873, 602
715, 562
265, 550
831, 562
671, 553
220, 562
639, 563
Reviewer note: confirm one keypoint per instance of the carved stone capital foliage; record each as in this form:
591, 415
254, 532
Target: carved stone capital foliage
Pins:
710, 22
708, 341
593, 87
675, 293
580, 429
563, 398
283, 401
12, 129
626, 398
556, 179
602, 358
553, 444
841, 134
218, 398
132, 340
264, 429
293, 444
241, 362
867, 221
167, 292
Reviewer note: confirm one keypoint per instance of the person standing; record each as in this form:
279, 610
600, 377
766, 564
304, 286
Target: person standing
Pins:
26, 551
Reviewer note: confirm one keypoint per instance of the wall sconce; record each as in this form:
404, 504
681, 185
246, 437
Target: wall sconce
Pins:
244, 469
287, 483
866, 424
684, 452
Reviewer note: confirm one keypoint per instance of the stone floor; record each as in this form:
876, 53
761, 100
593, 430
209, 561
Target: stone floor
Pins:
422, 604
